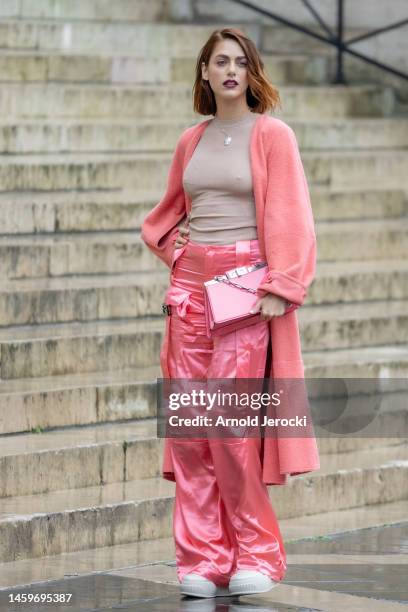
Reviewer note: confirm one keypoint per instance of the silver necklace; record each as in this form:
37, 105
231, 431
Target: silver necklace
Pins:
228, 138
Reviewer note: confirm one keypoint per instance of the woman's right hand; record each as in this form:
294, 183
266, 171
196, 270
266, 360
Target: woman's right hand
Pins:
184, 231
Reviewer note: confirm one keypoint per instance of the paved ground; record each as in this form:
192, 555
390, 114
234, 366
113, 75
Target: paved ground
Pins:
363, 569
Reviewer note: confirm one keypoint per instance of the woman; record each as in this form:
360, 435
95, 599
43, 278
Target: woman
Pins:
236, 195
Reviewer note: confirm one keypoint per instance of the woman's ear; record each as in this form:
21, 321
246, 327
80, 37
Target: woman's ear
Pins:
204, 71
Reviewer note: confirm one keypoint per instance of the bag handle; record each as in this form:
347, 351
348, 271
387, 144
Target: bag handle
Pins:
227, 281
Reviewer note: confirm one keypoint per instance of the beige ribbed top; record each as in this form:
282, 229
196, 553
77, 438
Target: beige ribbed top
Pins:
218, 180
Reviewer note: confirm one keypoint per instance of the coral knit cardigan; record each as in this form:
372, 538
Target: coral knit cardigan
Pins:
288, 243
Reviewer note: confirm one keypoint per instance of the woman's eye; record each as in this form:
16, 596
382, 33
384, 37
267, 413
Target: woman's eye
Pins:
220, 62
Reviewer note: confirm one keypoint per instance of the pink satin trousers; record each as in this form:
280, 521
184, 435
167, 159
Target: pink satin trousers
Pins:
223, 519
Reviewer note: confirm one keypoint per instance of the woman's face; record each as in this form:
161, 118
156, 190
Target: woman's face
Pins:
227, 62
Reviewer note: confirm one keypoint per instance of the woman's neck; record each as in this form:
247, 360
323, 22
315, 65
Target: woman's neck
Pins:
232, 114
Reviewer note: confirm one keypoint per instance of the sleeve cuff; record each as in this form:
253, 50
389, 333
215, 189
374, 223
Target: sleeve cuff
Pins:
284, 286
168, 250
164, 250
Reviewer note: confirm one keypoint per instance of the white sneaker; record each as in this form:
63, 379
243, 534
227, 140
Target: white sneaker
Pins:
198, 586
246, 582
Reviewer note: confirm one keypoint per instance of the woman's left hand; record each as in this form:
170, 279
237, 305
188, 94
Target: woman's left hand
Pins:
270, 306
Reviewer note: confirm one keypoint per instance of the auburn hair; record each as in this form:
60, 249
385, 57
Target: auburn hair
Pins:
261, 96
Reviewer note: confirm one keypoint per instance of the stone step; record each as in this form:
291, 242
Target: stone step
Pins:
63, 254
68, 101
158, 10
99, 397
117, 37
377, 169
102, 10
353, 325
77, 457
360, 17
361, 72
21, 66
152, 135
349, 169
78, 399
374, 362
376, 239
356, 133
355, 203
55, 212
55, 255
276, 38
77, 211
353, 281
145, 39
67, 348
145, 559
86, 298
107, 297
119, 513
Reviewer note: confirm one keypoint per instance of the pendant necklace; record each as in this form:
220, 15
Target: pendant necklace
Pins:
228, 137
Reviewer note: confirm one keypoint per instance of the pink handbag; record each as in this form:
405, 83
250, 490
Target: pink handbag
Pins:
229, 297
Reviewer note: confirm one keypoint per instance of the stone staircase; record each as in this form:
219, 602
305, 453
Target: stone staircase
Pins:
93, 98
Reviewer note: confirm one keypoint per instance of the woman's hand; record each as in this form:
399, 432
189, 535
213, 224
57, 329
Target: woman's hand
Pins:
270, 306
183, 231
